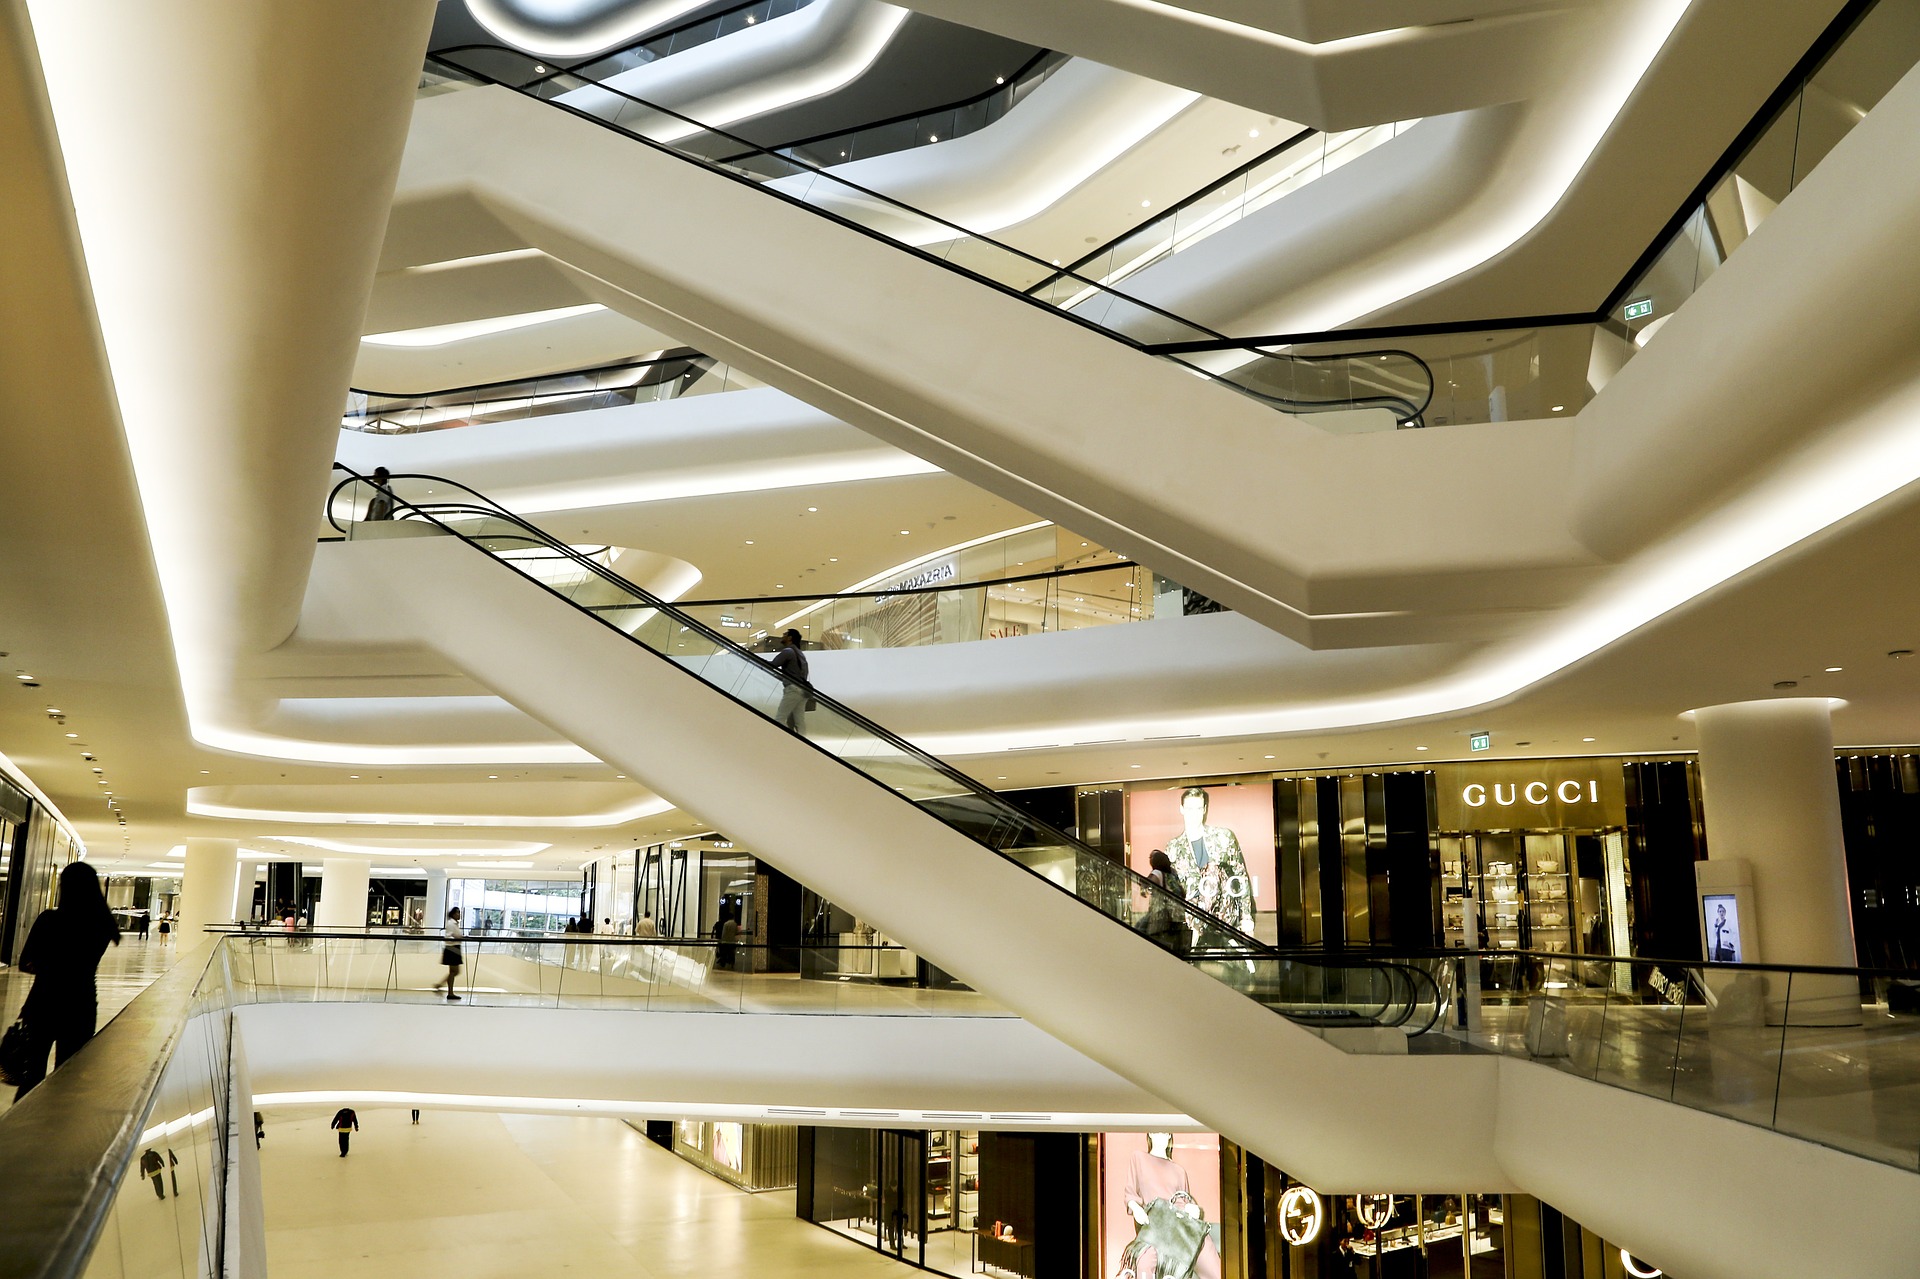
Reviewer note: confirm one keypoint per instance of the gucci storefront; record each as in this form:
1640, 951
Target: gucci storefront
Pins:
1588, 856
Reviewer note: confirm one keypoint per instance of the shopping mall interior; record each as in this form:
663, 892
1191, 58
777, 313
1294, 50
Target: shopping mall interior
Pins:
1101, 639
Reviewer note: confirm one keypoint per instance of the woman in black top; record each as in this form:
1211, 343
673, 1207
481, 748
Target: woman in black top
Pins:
63, 949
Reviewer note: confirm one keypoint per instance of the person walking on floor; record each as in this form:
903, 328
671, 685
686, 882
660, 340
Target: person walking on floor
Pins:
346, 1123
62, 952
796, 694
450, 953
152, 1166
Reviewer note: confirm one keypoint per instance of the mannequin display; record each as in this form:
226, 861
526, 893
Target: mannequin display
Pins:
1171, 1239
1210, 864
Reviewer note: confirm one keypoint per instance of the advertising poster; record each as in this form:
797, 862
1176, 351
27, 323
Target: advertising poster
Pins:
1219, 840
1160, 1205
1721, 914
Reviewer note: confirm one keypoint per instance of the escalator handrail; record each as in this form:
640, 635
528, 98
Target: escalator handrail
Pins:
959, 231
487, 507
1250, 948
1177, 207
1082, 571
686, 356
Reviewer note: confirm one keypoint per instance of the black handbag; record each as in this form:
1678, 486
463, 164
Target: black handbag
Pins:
16, 1054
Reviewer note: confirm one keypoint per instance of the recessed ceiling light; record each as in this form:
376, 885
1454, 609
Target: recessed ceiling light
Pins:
76, 734
1419, 748
833, 559
353, 777
1133, 765
813, 508
493, 777
1586, 739
903, 532
999, 79
206, 772
1558, 407
1830, 670
1146, 204
24, 679
749, 541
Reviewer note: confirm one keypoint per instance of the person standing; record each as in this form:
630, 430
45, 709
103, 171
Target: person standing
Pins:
142, 924
346, 1123
380, 502
727, 934
450, 953
646, 927
62, 952
796, 694
1164, 922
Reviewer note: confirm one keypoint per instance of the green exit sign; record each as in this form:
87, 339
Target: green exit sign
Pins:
1479, 741
1639, 310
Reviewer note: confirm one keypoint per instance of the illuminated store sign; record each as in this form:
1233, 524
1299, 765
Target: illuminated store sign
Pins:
1476, 795
1374, 1211
1301, 1216
1525, 795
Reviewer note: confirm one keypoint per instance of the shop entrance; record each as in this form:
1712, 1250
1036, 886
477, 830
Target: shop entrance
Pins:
1544, 892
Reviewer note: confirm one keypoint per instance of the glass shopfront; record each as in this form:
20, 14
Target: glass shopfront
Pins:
751, 1156
957, 1202
515, 905
1590, 856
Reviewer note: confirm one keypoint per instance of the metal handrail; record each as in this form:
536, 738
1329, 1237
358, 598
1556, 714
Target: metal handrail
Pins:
1406, 412
487, 507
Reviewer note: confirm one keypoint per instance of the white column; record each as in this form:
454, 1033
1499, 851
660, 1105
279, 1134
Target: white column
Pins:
206, 889
436, 899
1771, 800
343, 893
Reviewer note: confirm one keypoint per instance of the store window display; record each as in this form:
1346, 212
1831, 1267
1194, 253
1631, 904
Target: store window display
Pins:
1160, 1206
1201, 828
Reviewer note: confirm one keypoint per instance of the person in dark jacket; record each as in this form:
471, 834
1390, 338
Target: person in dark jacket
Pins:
62, 953
346, 1123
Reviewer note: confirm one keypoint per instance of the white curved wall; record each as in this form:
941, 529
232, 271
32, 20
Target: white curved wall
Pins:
767, 67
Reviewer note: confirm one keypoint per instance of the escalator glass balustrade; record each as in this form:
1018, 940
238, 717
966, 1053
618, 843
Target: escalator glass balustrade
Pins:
1310, 989
1391, 385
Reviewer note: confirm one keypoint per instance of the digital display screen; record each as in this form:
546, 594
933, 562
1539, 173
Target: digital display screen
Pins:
1720, 912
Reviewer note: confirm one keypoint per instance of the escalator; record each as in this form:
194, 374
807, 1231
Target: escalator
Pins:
1051, 399
1308, 989
1396, 381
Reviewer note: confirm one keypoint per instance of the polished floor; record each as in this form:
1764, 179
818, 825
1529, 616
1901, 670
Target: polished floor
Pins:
125, 971
468, 1195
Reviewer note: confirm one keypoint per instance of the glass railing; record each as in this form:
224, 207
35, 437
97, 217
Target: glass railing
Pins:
631, 973
1219, 942
1390, 384
119, 1162
1830, 1055
668, 377
1306, 157
1551, 366
964, 612
924, 128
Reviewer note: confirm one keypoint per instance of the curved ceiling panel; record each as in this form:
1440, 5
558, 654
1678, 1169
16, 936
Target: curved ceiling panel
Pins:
575, 28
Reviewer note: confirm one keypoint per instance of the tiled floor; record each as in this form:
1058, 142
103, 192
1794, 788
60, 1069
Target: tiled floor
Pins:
473, 1196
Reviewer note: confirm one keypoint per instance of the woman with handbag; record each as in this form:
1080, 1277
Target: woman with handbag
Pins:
62, 952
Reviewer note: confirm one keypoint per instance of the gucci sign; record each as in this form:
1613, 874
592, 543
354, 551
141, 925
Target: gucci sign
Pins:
1548, 794
1568, 791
